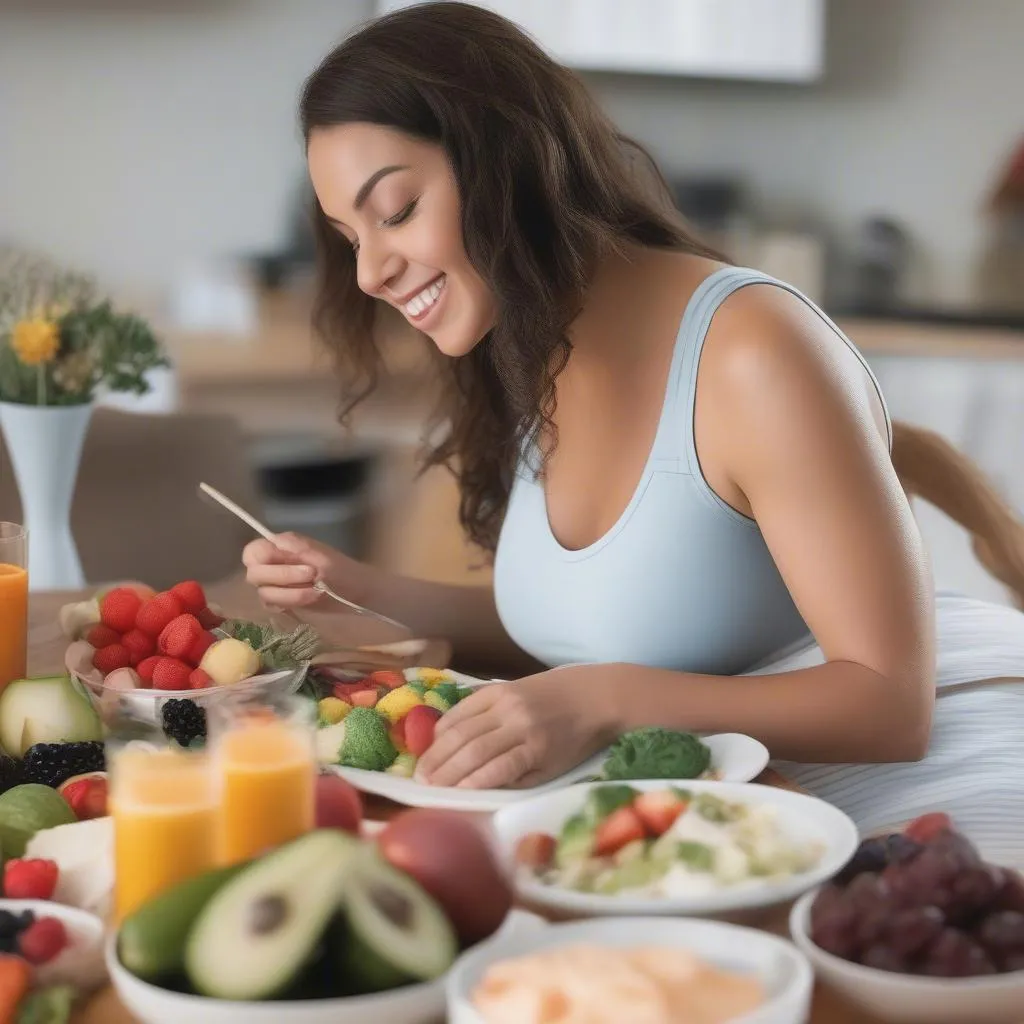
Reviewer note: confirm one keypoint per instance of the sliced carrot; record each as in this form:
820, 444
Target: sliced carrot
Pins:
15, 976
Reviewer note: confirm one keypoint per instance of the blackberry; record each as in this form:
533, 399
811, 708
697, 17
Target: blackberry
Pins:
11, 773
184, 721
52, 763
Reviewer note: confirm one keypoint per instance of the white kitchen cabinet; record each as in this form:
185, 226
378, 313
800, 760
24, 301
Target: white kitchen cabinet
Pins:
766, 40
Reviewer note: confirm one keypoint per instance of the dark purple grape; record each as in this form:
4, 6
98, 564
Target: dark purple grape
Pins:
1011, 895
909, 931
958, 848
870, 856
884, 958
954, 954
1002, 932
972, 894
871, 899
832, 922
901, 848
1010, 962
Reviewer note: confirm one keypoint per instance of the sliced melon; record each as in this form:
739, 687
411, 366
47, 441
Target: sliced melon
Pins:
47, 709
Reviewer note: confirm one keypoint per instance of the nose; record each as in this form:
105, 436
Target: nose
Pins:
376, 266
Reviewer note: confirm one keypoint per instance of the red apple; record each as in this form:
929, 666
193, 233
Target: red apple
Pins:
397, 732
419, 728
452, 860
338, 804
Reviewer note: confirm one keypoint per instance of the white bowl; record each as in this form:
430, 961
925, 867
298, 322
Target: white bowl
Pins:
782, 969
907, 998
802, 817
80, 964
413, 1004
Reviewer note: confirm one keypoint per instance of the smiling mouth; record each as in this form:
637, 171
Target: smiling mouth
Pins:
422, 303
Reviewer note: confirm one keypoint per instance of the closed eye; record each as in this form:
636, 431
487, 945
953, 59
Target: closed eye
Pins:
403, 214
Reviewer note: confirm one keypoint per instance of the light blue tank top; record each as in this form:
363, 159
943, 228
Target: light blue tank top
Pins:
682, 580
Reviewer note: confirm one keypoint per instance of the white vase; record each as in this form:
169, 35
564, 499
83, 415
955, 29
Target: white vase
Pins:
45, 446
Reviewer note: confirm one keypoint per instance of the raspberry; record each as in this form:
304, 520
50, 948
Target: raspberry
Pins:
111, 657
191, 596
171, 674
209, 619
144, 669
30, 879
156, 613
42, 940
199, 648
140, 645
179, 636
102, 636
119, 608
198, 679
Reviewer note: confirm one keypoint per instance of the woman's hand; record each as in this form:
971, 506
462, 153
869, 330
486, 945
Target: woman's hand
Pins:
522, 733
284, 571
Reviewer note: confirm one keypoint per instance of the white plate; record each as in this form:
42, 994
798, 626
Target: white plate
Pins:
413, 1004
803, 819
781, 968
737, 758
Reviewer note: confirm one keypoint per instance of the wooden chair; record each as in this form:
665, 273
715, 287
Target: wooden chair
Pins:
137, 513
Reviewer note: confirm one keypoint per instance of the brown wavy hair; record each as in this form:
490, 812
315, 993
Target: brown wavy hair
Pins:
548, 188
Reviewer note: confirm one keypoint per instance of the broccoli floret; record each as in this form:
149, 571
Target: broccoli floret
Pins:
655, 753
366, 743
448, 692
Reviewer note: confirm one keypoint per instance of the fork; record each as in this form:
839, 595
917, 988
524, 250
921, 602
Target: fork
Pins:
265, 532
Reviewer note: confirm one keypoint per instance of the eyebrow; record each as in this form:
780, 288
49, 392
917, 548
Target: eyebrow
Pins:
367, 187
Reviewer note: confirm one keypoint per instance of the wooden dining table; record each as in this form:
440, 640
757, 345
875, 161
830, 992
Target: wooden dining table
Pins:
46, 646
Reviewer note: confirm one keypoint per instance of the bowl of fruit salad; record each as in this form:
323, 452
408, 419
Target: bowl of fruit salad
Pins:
918, 929
131, 644
336, 926
689, 848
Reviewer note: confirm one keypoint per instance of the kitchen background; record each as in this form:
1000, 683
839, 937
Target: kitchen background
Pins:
862, 149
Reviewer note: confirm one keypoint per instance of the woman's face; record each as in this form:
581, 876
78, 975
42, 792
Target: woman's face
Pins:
395, 199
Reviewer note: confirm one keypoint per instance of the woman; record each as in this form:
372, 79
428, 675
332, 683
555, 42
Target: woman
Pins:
681, 467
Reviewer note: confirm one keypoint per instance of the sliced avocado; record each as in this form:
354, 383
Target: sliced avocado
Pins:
151, 942
713, 808
602, 800
392, 932
633, 874
575, 842
261, 930
635, 850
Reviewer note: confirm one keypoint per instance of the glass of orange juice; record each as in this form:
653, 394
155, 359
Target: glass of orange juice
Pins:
262, 751
13, 602
164, 802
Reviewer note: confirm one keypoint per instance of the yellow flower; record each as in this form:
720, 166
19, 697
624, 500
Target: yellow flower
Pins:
35, 341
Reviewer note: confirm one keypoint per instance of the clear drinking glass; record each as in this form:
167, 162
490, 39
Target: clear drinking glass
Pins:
263, 755
13, 602
164, 801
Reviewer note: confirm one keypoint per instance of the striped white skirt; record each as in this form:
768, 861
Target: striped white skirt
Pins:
974, 769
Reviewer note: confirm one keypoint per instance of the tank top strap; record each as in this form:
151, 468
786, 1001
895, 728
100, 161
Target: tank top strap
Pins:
675, 441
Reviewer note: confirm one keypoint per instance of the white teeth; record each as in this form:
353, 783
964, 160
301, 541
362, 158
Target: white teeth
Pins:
421, 303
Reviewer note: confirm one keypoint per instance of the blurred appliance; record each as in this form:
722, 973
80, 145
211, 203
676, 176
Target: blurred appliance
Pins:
763, 40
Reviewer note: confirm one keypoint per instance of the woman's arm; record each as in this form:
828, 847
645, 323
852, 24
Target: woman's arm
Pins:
789, 430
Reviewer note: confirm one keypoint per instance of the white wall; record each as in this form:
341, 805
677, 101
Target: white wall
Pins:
138, 134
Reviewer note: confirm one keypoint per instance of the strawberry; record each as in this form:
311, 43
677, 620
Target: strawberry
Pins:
386, 677
42, 940
111, 657
536, 850
145, 668
199, 648
198, 679
191, 596
140, 645
619, 829
179, 636
102, 636
209, 619
658, 810
30, 879
928, 826
155, 614
119, 608
171, 674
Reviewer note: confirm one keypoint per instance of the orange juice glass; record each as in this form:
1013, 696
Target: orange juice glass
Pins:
13, 603
164, 803
263, 756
